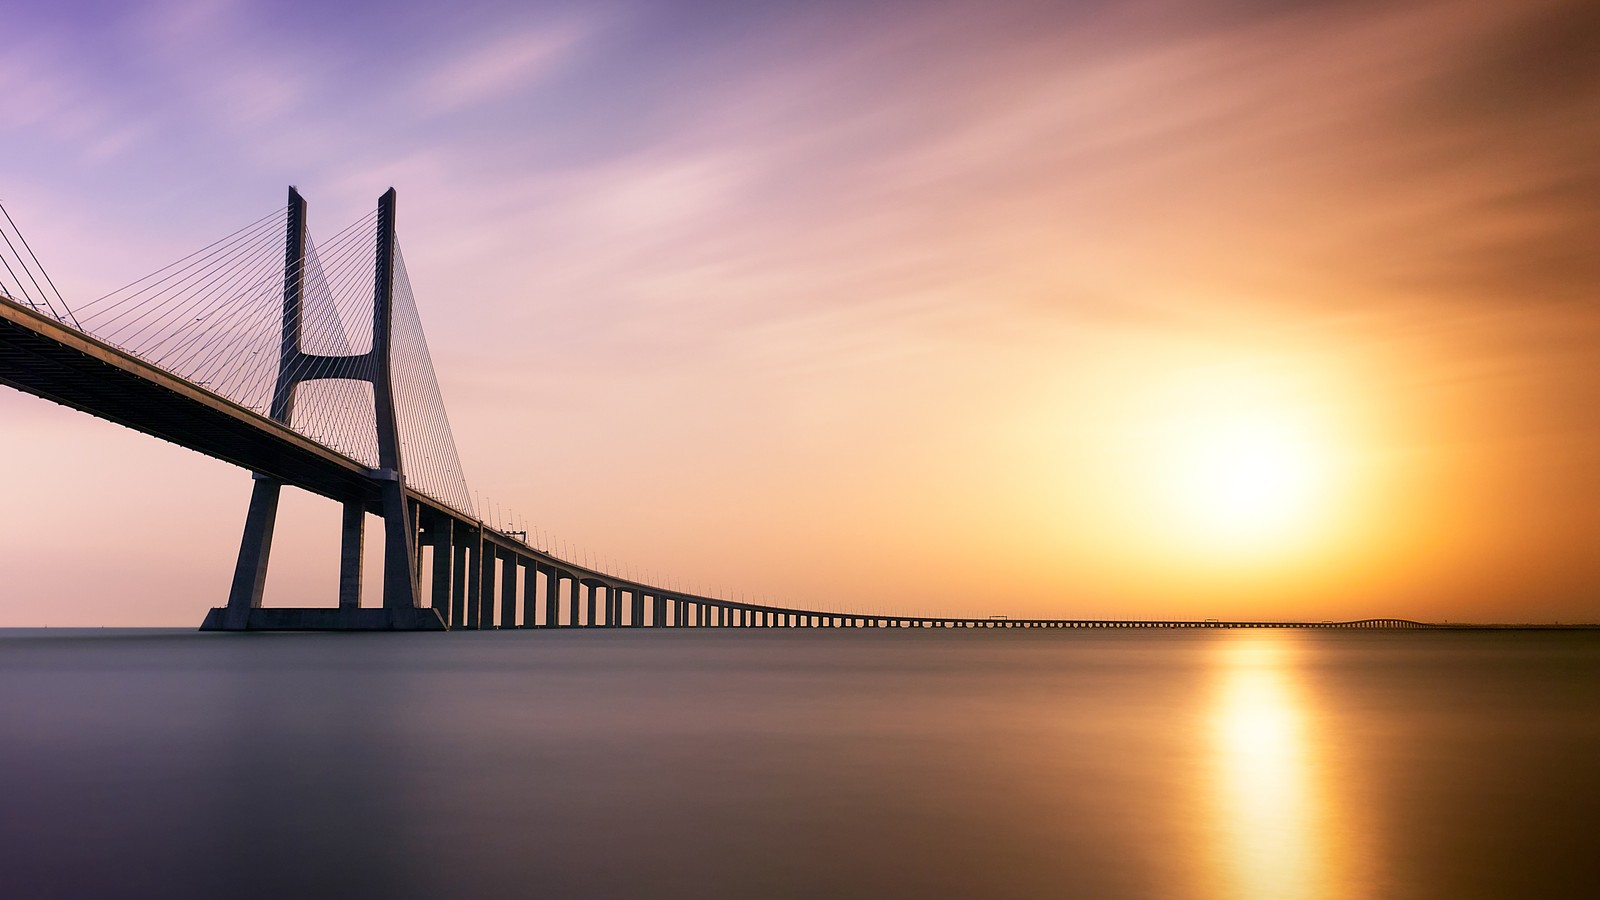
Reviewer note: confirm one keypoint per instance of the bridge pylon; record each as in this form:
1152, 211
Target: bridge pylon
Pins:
401, 595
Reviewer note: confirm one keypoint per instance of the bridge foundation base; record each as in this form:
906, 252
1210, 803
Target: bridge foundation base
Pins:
328, 619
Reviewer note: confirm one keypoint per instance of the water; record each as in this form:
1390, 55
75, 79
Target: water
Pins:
876, 764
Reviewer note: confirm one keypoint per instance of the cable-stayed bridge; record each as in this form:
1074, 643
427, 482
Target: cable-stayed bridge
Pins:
305, 363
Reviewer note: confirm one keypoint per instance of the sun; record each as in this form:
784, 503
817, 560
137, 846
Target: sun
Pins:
1248, 479
1191, 463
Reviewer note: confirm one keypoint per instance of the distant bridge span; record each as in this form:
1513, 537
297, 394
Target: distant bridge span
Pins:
153, 368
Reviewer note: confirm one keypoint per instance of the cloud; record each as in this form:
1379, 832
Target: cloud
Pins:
43, 94
500, 66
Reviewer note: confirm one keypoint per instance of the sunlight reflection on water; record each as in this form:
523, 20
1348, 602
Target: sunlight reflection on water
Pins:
1265, 778
1243, 765
1280, 825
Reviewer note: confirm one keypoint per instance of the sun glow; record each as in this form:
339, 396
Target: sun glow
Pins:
1193, 462
1246, 479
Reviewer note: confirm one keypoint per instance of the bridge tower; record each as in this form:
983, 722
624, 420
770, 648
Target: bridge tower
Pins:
401, 596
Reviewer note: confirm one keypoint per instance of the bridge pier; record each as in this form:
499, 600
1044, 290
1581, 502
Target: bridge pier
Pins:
458, 581
352, 543
486, 574
552, 596
508, 589
250, 571
530, 592
474, 574
441, 530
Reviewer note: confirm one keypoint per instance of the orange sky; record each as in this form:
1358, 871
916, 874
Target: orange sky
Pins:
859, 307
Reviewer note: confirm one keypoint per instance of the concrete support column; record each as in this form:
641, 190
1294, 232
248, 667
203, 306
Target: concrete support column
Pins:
443, 538
574, 612
508, 589
351, 546
474, 574
399, 571
530, 593
589, 591
416, 545
458, 582
552, 597
250, 572
487, 573
636, 620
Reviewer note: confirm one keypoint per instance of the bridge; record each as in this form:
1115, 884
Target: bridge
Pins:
306, 365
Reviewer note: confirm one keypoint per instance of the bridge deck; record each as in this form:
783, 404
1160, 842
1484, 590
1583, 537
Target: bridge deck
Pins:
40, 356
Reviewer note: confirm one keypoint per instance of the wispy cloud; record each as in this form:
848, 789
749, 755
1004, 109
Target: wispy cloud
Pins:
498, 66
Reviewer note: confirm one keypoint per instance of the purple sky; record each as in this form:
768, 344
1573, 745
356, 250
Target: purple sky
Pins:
919, 307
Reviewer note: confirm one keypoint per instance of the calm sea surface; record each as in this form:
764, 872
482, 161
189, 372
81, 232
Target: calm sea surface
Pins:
696, 764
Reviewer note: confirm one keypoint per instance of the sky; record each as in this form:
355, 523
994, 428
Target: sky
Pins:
1166, 309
